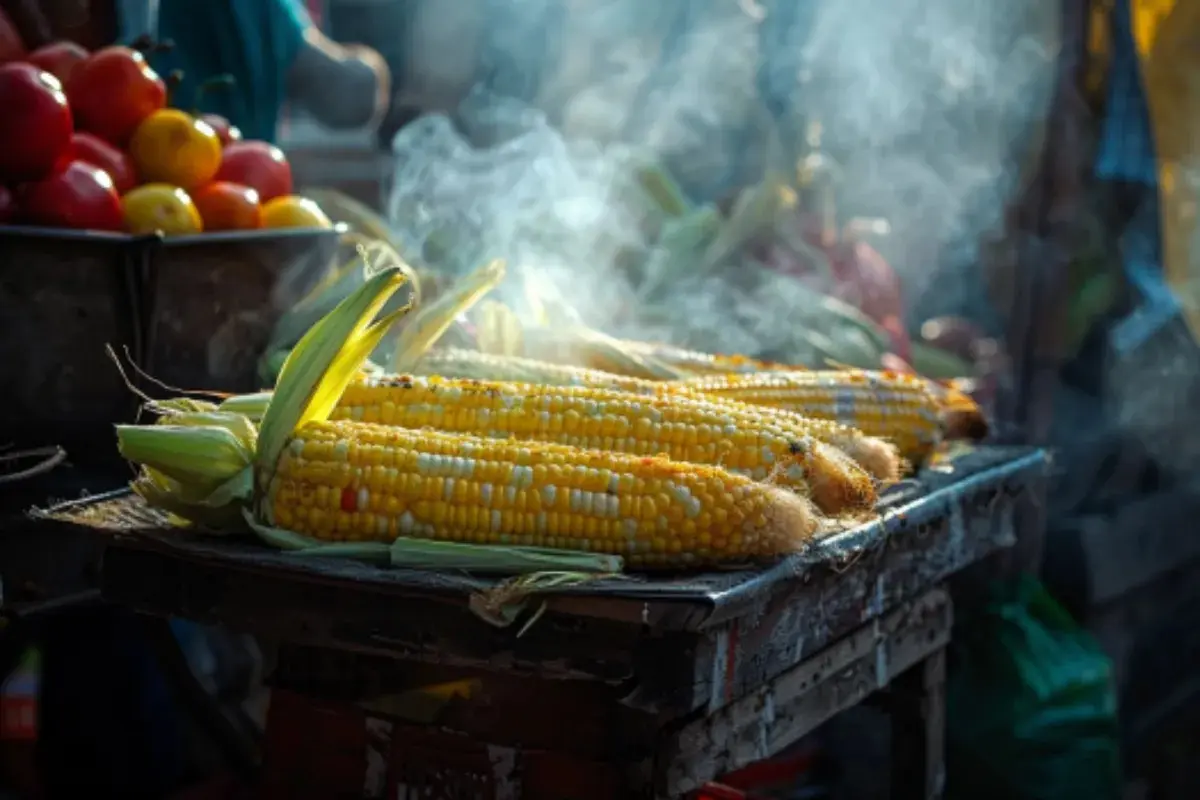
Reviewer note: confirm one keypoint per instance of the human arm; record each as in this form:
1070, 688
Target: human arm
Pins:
342, 86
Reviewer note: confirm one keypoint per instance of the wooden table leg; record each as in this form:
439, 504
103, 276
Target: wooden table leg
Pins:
918, 711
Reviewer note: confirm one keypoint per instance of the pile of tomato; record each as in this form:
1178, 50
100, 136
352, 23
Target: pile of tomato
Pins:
88, 141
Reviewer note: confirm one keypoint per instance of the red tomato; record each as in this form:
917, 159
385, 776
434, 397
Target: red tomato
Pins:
99, 153
11, 46
35, 125
80, 196
8, 206
226, 131
59, 59
228, 207
113, 91
260, 166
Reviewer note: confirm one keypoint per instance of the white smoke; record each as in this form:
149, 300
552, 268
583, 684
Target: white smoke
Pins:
932, 107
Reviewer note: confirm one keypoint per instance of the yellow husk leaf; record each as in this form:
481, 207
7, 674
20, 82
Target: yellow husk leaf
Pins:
313, 378
432, 320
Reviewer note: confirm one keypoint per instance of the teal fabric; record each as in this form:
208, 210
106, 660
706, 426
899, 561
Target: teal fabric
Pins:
254, 41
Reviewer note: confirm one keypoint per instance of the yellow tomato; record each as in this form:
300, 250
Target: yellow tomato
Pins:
174, 147
292, 211
160, 207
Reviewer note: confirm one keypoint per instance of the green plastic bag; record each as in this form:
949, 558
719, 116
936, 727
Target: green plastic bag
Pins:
1031, 705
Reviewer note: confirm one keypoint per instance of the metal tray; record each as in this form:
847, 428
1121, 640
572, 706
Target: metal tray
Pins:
193, 312
63, 296
213, 300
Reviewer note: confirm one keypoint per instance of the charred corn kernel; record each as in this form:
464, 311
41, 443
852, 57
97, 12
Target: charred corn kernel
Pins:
655, 512
699, 363
458, 363
740, 438
902, 409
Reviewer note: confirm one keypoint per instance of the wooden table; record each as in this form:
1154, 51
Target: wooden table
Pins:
386, 680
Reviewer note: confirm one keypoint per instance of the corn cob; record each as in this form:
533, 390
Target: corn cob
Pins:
904, 409
698, 363
354, 481
880, 458
458, 363
877, 457
681, 427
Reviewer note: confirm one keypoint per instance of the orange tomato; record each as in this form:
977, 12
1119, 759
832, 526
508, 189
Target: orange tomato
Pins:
293, 211
160, 207
174, 147
228, 207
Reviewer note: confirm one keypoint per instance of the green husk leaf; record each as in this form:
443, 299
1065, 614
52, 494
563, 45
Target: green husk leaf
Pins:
237, 424
681, 244
497, 559
378, 553
279, 538
271, 364
754, 211
251, 406
445, 556
432, 320
215, 507
317, 371
663, 189
180, 405
193, 455
371, 257
935, 363
624, 361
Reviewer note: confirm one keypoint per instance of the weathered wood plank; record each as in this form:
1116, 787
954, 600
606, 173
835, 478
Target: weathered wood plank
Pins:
802, 618
36, 567
581, 718
917, 703
430, 629
782, 710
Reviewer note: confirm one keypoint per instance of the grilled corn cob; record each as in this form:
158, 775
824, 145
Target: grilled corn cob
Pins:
875, 456
878, 457
458, 363
354, 481
682, 427
904, 409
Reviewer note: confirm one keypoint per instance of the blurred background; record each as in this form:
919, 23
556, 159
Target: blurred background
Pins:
960, 177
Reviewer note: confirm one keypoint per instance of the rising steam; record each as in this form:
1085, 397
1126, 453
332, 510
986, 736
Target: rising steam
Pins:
932, 108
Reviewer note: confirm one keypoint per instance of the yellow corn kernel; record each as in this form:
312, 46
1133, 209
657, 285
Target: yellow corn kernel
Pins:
877, 457
742, 438
654, 512
903, 409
